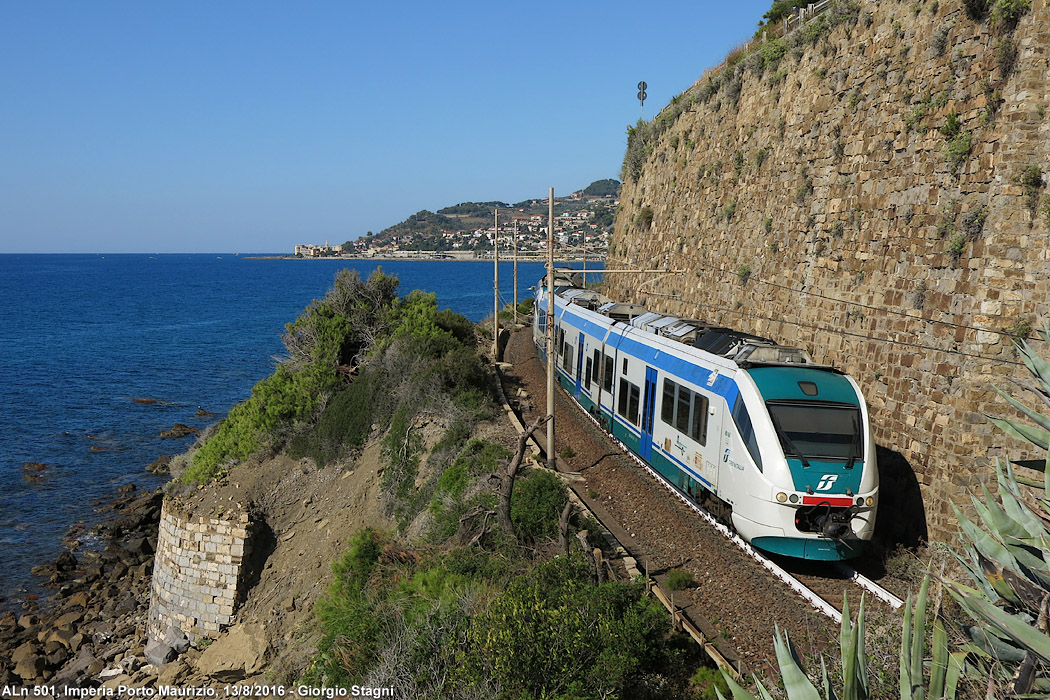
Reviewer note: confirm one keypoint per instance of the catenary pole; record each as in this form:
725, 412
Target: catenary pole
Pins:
495, 284
515, 272
551, 464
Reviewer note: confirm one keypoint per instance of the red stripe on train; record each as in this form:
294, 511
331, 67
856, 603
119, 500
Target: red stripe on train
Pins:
826, 500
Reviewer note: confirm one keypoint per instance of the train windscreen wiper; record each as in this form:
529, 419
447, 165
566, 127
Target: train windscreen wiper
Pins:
854, 446
786, 441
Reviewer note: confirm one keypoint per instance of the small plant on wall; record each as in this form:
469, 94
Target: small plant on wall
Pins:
743, 273
644, 220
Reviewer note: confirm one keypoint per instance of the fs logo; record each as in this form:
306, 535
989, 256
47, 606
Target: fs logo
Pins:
827, 481
725, 457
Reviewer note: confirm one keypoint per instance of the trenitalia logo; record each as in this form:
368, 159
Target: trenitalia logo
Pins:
827, 481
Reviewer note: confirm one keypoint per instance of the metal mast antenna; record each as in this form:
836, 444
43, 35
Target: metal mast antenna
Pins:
551, 463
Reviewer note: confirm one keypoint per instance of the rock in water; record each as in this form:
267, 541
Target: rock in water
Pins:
179, 430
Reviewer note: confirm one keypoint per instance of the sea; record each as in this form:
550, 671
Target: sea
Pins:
100, 353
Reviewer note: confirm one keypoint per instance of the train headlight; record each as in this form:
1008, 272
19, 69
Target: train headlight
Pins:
869, 501
793, 498
782, 497
860, 500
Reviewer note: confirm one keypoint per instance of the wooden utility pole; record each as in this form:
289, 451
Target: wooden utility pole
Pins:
495, 278
551, 464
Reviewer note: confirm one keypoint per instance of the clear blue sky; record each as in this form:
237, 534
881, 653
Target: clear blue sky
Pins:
240, 126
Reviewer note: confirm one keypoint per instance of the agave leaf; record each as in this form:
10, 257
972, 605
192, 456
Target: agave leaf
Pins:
738, 691
1029, 561
854, 668
1011, 626
918, 635
939, 664
1046, 475
973, 568
907, 685
956, 666
1039, 367
994, 576
1013, 504
985, 543
996, 519
1039, 418
796, 683
862, 657
1030, 594
1036, 436
991, 644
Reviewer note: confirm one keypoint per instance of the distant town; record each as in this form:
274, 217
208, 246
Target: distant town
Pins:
583, 224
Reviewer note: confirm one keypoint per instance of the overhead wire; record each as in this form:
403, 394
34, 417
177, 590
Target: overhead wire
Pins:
843, 332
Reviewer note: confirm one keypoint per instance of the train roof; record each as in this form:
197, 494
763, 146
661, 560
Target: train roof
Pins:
745, 349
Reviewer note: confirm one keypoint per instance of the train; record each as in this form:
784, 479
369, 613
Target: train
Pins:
759, 434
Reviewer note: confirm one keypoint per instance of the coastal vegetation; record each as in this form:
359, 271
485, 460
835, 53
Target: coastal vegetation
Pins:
360, 346
451, 603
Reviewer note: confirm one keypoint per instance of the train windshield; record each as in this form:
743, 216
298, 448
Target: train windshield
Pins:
818, 431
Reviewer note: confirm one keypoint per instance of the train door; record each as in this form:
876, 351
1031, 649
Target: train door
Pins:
579, 365
645, 449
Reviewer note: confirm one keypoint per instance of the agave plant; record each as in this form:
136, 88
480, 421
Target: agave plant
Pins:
798, 685
943, 671
1008, 556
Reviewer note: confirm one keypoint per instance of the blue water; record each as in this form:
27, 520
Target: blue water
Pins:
84, 335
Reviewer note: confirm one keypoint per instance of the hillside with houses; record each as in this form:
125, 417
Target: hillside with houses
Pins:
583, 223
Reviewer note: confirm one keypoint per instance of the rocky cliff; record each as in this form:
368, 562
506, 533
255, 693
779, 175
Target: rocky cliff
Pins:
870, 187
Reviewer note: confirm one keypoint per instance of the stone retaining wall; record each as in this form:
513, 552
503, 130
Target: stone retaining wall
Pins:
196, 572
828, 201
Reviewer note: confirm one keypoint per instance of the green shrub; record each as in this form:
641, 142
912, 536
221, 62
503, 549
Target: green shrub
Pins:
1007, 13
709, 683
771, 52
1031, 180
743, 273
729, 210
957, 150
679, 580
538, 499
644, 219
976, 9
1006, 56
344, 423
553, 634
447, 504
351, 632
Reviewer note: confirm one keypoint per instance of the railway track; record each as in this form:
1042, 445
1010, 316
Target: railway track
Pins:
737, 603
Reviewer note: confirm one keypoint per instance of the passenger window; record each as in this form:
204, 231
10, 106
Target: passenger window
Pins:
625, 365
627, 406
607, 376
682, 410
699, 427
667, 404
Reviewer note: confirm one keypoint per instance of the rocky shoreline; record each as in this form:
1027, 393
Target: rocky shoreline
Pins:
93, 628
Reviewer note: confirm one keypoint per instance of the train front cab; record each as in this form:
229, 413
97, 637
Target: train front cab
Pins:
820, 487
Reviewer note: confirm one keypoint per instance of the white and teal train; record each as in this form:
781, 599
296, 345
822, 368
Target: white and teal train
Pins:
755, 431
